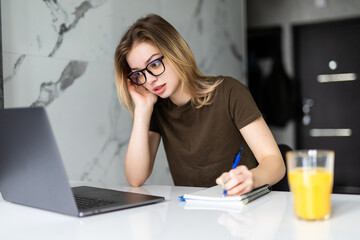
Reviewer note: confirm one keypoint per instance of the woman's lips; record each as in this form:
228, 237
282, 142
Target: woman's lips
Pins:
159, 89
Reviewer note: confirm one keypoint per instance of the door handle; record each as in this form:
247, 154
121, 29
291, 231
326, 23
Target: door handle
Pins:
339, 77
330, 132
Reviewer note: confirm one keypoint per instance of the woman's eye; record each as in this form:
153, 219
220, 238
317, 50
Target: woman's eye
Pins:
137, 74
155, 63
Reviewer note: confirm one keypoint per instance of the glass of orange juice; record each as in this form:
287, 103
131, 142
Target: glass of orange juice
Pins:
310, 175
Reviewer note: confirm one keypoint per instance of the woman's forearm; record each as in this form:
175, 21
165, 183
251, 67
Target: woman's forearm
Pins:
138, 162
269, 171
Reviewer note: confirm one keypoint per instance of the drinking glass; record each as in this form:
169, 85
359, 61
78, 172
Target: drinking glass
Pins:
310, 175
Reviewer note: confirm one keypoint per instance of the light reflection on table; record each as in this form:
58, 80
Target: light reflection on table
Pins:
269, 217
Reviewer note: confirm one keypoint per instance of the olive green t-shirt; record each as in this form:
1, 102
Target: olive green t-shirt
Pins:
201, 144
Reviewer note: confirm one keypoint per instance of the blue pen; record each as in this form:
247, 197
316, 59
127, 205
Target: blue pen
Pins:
236, 162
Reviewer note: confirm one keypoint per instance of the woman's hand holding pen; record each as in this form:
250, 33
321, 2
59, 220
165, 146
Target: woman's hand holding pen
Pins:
141, 96
237, 181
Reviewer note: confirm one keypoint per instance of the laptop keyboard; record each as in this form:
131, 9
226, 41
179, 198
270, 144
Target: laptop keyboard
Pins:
87, 203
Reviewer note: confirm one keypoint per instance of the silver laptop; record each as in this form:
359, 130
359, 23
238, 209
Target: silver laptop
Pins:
32, 172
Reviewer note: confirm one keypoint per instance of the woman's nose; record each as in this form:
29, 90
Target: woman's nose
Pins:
150, 78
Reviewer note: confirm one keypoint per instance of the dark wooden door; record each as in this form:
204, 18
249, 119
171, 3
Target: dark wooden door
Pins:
327, 66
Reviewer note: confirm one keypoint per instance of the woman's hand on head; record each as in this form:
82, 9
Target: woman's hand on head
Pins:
237, 181
141, 96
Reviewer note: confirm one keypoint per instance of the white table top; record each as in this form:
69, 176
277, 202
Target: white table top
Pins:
269, 217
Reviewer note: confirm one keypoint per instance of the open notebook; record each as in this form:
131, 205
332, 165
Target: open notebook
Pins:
213, 196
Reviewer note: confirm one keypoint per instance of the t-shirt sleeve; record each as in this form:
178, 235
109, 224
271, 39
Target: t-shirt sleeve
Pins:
154, 123
242, 107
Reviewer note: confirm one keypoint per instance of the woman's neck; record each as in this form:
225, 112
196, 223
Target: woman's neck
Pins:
181, 98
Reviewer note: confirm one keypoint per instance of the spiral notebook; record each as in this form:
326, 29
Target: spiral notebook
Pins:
214, 196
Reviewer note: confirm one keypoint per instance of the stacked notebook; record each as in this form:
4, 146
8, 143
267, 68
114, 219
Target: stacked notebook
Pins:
212, 198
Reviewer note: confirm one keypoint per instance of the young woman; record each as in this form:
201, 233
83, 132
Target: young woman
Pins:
202, 120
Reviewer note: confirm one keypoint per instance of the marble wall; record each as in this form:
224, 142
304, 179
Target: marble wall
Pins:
58, 54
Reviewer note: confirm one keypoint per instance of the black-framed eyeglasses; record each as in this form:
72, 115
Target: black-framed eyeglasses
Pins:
155, 68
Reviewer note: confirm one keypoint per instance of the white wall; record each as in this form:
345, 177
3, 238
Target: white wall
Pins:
91, 128
287, 13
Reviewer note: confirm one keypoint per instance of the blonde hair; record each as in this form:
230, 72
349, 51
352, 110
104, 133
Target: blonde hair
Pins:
157, 31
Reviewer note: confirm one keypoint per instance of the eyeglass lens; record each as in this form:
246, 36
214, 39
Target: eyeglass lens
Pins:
155, 68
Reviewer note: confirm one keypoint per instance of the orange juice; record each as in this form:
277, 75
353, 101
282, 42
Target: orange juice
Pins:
311, 190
